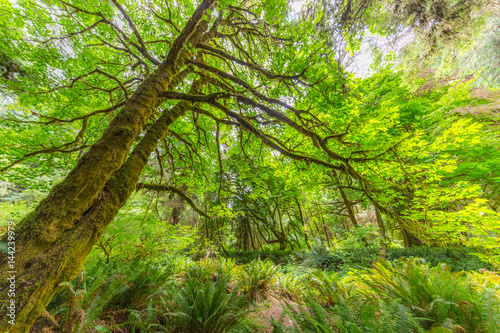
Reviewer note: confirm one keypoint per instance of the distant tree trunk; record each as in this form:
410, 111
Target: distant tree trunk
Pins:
282, 230
383, 235
257, 238
271, 228
280, 219
54, 240
244, 234
178, 203
326, 230
251, 234
176, 212
348, 204
409, 238
318, 232
304, 225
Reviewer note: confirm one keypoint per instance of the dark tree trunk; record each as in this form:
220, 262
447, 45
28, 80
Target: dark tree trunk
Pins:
178, 203
409, 238
304, 226
244, 234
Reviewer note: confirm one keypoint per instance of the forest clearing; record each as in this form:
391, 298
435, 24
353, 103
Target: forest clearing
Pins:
249, 166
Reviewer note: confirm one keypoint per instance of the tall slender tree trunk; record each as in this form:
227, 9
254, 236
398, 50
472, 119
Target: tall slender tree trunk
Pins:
325, 229
304, 226
348, 204
178, 203
53, 241
250, 233
383, 234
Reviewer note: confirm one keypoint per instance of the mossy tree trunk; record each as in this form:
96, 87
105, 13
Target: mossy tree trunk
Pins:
53, 241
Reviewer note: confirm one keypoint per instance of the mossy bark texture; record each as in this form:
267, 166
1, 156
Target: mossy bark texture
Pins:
53, 241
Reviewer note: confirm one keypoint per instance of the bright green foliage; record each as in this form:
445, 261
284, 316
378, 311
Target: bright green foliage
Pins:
434, 294
257, 279
288, 285
432, 168
213, 295
401, 297
207, 307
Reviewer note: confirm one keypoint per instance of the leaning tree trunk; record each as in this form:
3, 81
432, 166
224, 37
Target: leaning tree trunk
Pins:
53, 241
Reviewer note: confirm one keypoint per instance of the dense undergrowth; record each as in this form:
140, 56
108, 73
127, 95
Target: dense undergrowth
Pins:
362, 257
216, 295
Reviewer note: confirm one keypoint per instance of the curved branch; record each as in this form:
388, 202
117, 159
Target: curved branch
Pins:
54, 120
168, 188
53, 150
253, 67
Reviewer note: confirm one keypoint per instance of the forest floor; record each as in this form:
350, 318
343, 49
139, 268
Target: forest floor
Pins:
169, 297
266, 312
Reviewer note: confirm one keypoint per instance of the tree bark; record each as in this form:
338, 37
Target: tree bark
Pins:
383, 234
304, 226
178, 203
409, 238
348, 205
53, 241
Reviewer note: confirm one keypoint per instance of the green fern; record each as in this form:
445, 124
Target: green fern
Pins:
104, 288
145, 321
288, 285
490, 310
83, 306
257, 278
433, 294
312, 318
206, 307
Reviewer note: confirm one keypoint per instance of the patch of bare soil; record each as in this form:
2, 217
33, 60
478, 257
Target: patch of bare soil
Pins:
275, 311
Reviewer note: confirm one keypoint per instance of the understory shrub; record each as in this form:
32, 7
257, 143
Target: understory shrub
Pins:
363, 257
104, 290
213, 294
402, 296
208, 307
458, 259
256, 280
277, 256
